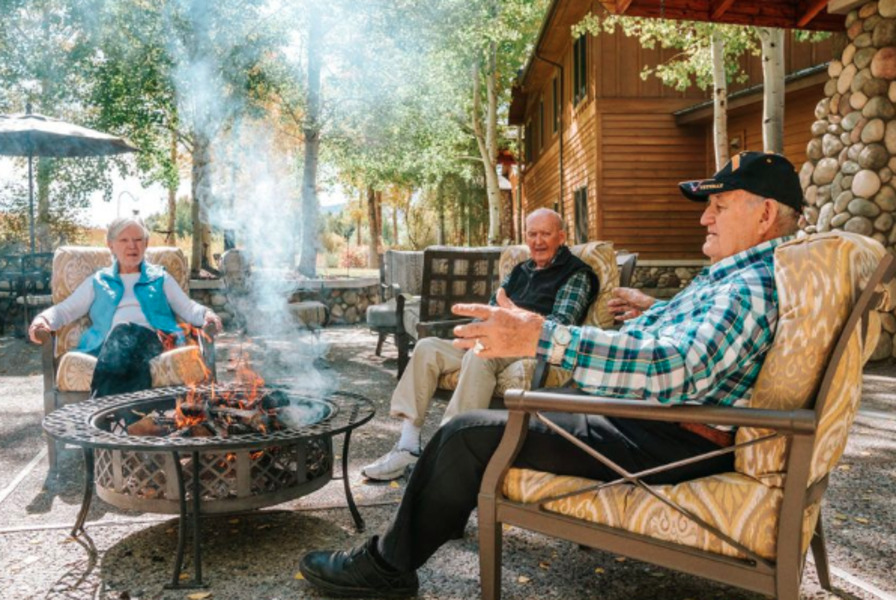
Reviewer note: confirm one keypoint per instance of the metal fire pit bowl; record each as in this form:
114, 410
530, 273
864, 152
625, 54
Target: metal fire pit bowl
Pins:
214, 474
252, 471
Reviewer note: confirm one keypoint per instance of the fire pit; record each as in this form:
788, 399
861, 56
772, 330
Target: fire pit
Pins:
227, 457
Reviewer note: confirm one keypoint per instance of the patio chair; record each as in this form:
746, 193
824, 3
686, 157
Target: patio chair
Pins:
401, 275
10, 284
67, 372
602, 260
450, 275
626, 262
750, 528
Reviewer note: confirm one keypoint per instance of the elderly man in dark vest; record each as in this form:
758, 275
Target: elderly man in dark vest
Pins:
552, 283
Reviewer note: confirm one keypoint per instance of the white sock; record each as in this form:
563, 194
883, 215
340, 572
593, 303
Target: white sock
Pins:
410, 437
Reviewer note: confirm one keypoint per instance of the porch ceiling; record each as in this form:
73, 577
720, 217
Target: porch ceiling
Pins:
789, 14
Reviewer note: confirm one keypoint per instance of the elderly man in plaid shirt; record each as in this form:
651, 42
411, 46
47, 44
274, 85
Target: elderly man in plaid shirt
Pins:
704, 346
553, 283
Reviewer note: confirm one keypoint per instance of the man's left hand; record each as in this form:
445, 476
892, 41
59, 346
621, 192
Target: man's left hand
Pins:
501, 332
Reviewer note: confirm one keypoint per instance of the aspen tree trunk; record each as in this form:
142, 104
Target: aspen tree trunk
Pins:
773, 96
485, 129
373, 223
720, 102
200, 256
171, 236
311, 129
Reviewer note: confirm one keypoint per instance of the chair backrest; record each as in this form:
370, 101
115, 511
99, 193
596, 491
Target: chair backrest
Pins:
818, 279
597, 255
455, 274
74, 264
403, 267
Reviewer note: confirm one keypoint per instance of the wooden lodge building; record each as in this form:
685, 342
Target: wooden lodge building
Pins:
606, 148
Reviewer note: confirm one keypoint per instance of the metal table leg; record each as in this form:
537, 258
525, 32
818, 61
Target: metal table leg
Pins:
196, 582
359, 521
88, 491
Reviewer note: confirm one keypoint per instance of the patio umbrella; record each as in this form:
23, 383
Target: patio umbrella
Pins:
36, 135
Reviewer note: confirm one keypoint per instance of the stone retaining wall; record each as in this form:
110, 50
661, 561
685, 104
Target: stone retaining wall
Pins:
662, 278
347, 300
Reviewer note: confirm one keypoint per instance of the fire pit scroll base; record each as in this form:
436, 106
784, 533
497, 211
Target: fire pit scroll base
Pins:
204, 475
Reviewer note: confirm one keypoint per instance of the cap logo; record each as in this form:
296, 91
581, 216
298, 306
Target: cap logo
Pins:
709, 186
735, 162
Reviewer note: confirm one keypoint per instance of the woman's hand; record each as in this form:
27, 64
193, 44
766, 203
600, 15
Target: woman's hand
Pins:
502, 331
212, 318
628, 303
39, 323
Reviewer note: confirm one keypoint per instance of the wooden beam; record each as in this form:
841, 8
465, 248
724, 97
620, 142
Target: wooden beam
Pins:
814, 8
841, 7
719, 7
622, 6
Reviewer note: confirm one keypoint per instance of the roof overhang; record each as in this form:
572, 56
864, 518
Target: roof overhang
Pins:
822, 15
800, 80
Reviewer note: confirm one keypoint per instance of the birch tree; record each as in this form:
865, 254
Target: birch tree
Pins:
773, 90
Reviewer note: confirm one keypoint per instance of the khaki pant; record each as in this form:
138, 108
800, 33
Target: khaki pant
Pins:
431, 358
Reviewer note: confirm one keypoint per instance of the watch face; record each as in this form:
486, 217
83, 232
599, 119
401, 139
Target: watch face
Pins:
561, 335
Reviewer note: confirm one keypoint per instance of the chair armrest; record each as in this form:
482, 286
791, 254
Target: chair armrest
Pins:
442, 329
799, 421
48, 360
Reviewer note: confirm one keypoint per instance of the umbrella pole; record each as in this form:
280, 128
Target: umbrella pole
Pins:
31, 199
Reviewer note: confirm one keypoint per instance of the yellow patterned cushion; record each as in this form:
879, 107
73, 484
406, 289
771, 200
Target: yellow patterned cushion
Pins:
182, 365
74, 264
818, 279
175, 367
602, 260
75, 372
739, 505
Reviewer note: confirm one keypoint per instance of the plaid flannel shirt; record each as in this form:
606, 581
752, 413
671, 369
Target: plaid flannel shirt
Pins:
704, 346
571, 303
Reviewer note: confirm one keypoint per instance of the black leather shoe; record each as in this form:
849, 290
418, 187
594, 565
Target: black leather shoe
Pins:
356, 573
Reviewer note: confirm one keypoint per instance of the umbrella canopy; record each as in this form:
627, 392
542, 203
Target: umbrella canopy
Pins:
36, 135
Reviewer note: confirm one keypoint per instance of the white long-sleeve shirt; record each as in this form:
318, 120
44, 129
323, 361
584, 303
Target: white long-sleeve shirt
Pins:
79, 302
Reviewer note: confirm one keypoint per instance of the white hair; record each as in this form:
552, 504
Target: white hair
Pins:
122, 223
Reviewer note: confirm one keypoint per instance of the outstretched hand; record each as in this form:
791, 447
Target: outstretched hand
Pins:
628, 303
501, 331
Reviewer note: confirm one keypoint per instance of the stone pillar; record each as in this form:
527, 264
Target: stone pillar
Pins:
849, 178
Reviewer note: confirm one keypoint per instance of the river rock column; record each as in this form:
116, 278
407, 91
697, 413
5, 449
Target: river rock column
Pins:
849, 178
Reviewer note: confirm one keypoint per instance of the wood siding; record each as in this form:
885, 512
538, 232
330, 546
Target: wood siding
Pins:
644, 155
623, 144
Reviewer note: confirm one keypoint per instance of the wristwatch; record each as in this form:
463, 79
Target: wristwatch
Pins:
560, 338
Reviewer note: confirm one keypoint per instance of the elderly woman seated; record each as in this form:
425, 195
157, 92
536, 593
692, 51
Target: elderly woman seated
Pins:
132, 307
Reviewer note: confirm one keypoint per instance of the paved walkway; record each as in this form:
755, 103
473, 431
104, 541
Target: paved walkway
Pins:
255, 556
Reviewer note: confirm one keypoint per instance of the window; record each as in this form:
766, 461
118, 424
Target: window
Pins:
579, 67
581, 200
555, 95
527, 142
541, 123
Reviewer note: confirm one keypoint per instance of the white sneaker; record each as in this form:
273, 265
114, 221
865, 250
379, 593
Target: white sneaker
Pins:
391, 465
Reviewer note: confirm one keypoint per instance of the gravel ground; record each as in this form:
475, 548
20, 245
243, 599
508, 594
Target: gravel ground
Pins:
255, 556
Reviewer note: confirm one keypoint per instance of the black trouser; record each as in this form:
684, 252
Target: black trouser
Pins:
123, 362
444, 487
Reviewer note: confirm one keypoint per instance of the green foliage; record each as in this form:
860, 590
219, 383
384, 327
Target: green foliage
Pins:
693, 64
182, 219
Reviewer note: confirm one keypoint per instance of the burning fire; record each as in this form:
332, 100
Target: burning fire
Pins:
245, 407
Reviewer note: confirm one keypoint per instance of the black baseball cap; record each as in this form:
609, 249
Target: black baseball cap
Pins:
761, 173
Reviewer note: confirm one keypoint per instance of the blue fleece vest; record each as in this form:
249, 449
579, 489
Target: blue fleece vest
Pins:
108, 288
